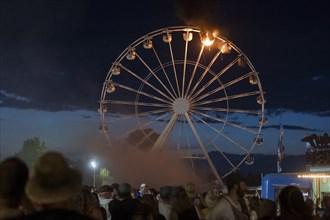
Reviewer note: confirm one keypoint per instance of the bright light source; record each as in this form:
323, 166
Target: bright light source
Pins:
93, 164
316, 175
207, 38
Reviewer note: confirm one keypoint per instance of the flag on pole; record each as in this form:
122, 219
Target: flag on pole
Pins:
280, 148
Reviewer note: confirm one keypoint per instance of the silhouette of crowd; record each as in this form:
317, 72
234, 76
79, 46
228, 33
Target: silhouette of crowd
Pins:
54, 190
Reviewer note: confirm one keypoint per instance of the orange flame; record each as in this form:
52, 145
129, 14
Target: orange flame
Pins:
207, 38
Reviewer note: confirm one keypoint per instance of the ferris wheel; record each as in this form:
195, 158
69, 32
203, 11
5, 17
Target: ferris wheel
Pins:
189, 91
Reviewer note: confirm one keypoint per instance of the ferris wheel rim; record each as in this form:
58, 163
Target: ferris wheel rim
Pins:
156, 33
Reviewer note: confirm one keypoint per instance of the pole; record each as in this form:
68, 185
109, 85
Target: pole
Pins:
94, 177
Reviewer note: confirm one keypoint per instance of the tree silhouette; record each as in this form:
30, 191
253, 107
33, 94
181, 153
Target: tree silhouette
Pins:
31, 150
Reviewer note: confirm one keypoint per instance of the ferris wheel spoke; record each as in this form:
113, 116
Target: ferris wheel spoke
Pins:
164, 72
140, 114
180, 132
191, 158
206, 154
145, 137
213, 143
118, 102
186, 134
238, 79
215, 77
153, 73
174, 68
141, 92
226, 122
253, 112
184, 67
219, 132
208, 138
141, 126
195, 68
144, 81
166, 132
237, 96
204, 73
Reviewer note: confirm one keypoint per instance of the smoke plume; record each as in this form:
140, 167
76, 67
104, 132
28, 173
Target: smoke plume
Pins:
198, 13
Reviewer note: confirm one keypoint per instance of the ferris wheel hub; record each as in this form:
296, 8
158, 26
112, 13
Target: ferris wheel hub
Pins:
181, 106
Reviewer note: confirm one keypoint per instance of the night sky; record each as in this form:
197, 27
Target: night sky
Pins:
54, 56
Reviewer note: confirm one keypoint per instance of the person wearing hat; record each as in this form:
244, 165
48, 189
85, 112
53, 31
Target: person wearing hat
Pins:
228, 207
14, 174
142, 191
52, 188
292, 204
123, 207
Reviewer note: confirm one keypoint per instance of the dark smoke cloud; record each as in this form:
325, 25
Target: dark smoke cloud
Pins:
198, 13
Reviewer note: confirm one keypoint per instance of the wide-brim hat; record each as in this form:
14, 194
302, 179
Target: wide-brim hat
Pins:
53, 180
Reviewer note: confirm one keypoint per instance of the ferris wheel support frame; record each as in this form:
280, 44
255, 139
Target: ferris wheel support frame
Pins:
214, 170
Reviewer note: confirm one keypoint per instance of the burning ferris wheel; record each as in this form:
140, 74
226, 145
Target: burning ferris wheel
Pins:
188, 91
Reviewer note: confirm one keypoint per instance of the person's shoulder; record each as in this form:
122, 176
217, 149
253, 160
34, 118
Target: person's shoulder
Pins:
222, 209
223, 201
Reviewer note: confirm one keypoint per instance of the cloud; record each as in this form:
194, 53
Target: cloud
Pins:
7, 95
292, 127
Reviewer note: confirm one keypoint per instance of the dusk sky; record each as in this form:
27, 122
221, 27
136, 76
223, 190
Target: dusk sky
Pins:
55, 55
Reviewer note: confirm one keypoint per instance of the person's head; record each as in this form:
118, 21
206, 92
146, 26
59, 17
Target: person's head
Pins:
54, 182
151, 201
142, 212
236, 183
82, 201
143, 188
115, 187
14, 174
152, 191
179, 199
267, 209
124, 190
191, 190
105, 191
211, 199
165, 193
292, 201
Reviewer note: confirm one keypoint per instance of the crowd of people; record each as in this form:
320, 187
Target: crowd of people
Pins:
54, 190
